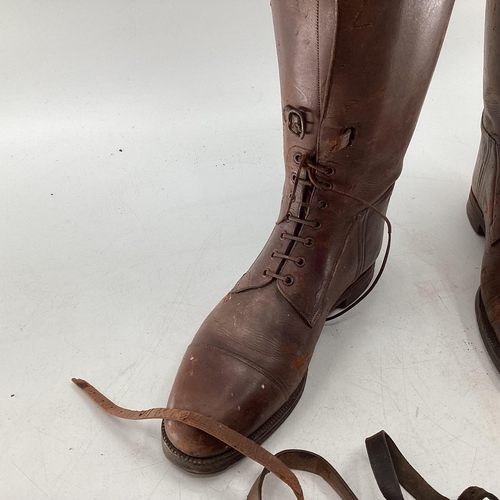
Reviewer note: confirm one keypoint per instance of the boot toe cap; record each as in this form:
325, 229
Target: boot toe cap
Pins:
215, 384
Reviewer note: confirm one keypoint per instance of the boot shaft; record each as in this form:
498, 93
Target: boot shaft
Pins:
491, 80
353, 78
485, 182
354, 75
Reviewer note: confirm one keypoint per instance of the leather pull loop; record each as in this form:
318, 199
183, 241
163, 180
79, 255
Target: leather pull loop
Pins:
308, 462
391, 469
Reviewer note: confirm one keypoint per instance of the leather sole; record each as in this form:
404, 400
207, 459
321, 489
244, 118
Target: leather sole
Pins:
218, 463
490, 339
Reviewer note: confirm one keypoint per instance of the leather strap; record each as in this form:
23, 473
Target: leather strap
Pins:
390, 467
216, 429
308, 462
392, 470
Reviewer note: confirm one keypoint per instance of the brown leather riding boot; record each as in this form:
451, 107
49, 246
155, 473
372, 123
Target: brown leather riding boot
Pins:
353, 79
483, 207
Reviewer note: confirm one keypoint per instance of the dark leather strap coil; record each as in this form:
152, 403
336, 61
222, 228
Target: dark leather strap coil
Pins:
392, 470
308, 462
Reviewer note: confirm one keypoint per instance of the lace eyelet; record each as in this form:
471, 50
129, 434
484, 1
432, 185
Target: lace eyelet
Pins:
264, 273
328, 185
294, 177
282, 235
301, 262
322, 204
317, 224
288, 281
273, 254
309, 242
329, 171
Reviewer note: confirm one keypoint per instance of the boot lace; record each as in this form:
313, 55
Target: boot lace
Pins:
309, 175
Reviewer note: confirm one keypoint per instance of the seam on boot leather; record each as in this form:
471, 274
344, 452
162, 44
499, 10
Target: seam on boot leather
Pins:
316, 310
281, 386
490, 158
329, 281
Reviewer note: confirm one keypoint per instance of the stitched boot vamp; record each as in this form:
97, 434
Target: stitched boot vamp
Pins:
252, 352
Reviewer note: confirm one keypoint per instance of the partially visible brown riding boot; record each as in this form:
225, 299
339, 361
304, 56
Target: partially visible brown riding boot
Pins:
483, 207
353, 75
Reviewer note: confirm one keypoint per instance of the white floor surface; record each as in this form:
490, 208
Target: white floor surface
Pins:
140, 174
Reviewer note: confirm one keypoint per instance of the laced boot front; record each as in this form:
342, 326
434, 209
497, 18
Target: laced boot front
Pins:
353, 78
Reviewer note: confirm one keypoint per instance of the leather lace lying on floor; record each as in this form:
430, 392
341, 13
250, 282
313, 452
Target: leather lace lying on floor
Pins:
389, 466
